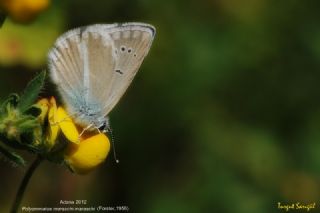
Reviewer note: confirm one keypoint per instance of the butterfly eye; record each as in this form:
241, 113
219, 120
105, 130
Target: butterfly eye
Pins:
103, 126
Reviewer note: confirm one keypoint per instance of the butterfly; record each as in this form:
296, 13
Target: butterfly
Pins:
93, 66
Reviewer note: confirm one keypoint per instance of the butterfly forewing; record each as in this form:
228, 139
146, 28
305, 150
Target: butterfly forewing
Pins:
66, 64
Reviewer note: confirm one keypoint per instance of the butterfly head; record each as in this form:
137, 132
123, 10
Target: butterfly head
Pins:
105, 127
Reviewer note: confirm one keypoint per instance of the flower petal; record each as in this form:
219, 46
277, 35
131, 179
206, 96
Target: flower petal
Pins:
88, 154
67, 126
53, 122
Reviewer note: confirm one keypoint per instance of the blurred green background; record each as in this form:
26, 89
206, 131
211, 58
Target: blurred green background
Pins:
223, 116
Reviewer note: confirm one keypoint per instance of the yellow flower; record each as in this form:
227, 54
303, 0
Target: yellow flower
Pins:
53, 129
83, 154
88, 154
67, 126
23, 10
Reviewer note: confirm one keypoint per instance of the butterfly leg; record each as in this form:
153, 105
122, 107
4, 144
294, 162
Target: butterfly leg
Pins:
84, 130
57, 122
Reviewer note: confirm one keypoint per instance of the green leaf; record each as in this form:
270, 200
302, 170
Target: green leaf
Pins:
31, 92
12, 100
12, 156
27, 124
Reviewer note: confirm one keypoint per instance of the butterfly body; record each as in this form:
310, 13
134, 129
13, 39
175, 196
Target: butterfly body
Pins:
93, 66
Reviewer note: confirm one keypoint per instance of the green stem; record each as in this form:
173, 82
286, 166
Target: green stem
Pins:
24, 184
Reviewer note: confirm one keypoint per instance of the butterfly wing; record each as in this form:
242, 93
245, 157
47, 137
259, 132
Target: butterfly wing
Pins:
93, 66
75, 56
132, 42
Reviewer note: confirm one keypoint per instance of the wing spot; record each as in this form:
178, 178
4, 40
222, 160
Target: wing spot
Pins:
123, 48
119, 71
129, 50
135, 55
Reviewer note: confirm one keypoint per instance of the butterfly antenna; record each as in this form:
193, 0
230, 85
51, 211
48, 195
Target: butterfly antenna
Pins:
113, 144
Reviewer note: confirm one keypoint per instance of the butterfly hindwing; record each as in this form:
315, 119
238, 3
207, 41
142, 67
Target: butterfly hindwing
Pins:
132, 43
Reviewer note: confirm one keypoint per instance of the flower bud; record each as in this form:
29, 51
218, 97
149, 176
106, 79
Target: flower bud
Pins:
23, 10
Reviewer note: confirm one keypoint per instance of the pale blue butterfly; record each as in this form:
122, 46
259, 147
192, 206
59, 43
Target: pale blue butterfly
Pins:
93, 66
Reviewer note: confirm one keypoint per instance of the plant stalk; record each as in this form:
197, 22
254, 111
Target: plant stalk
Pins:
24, 184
